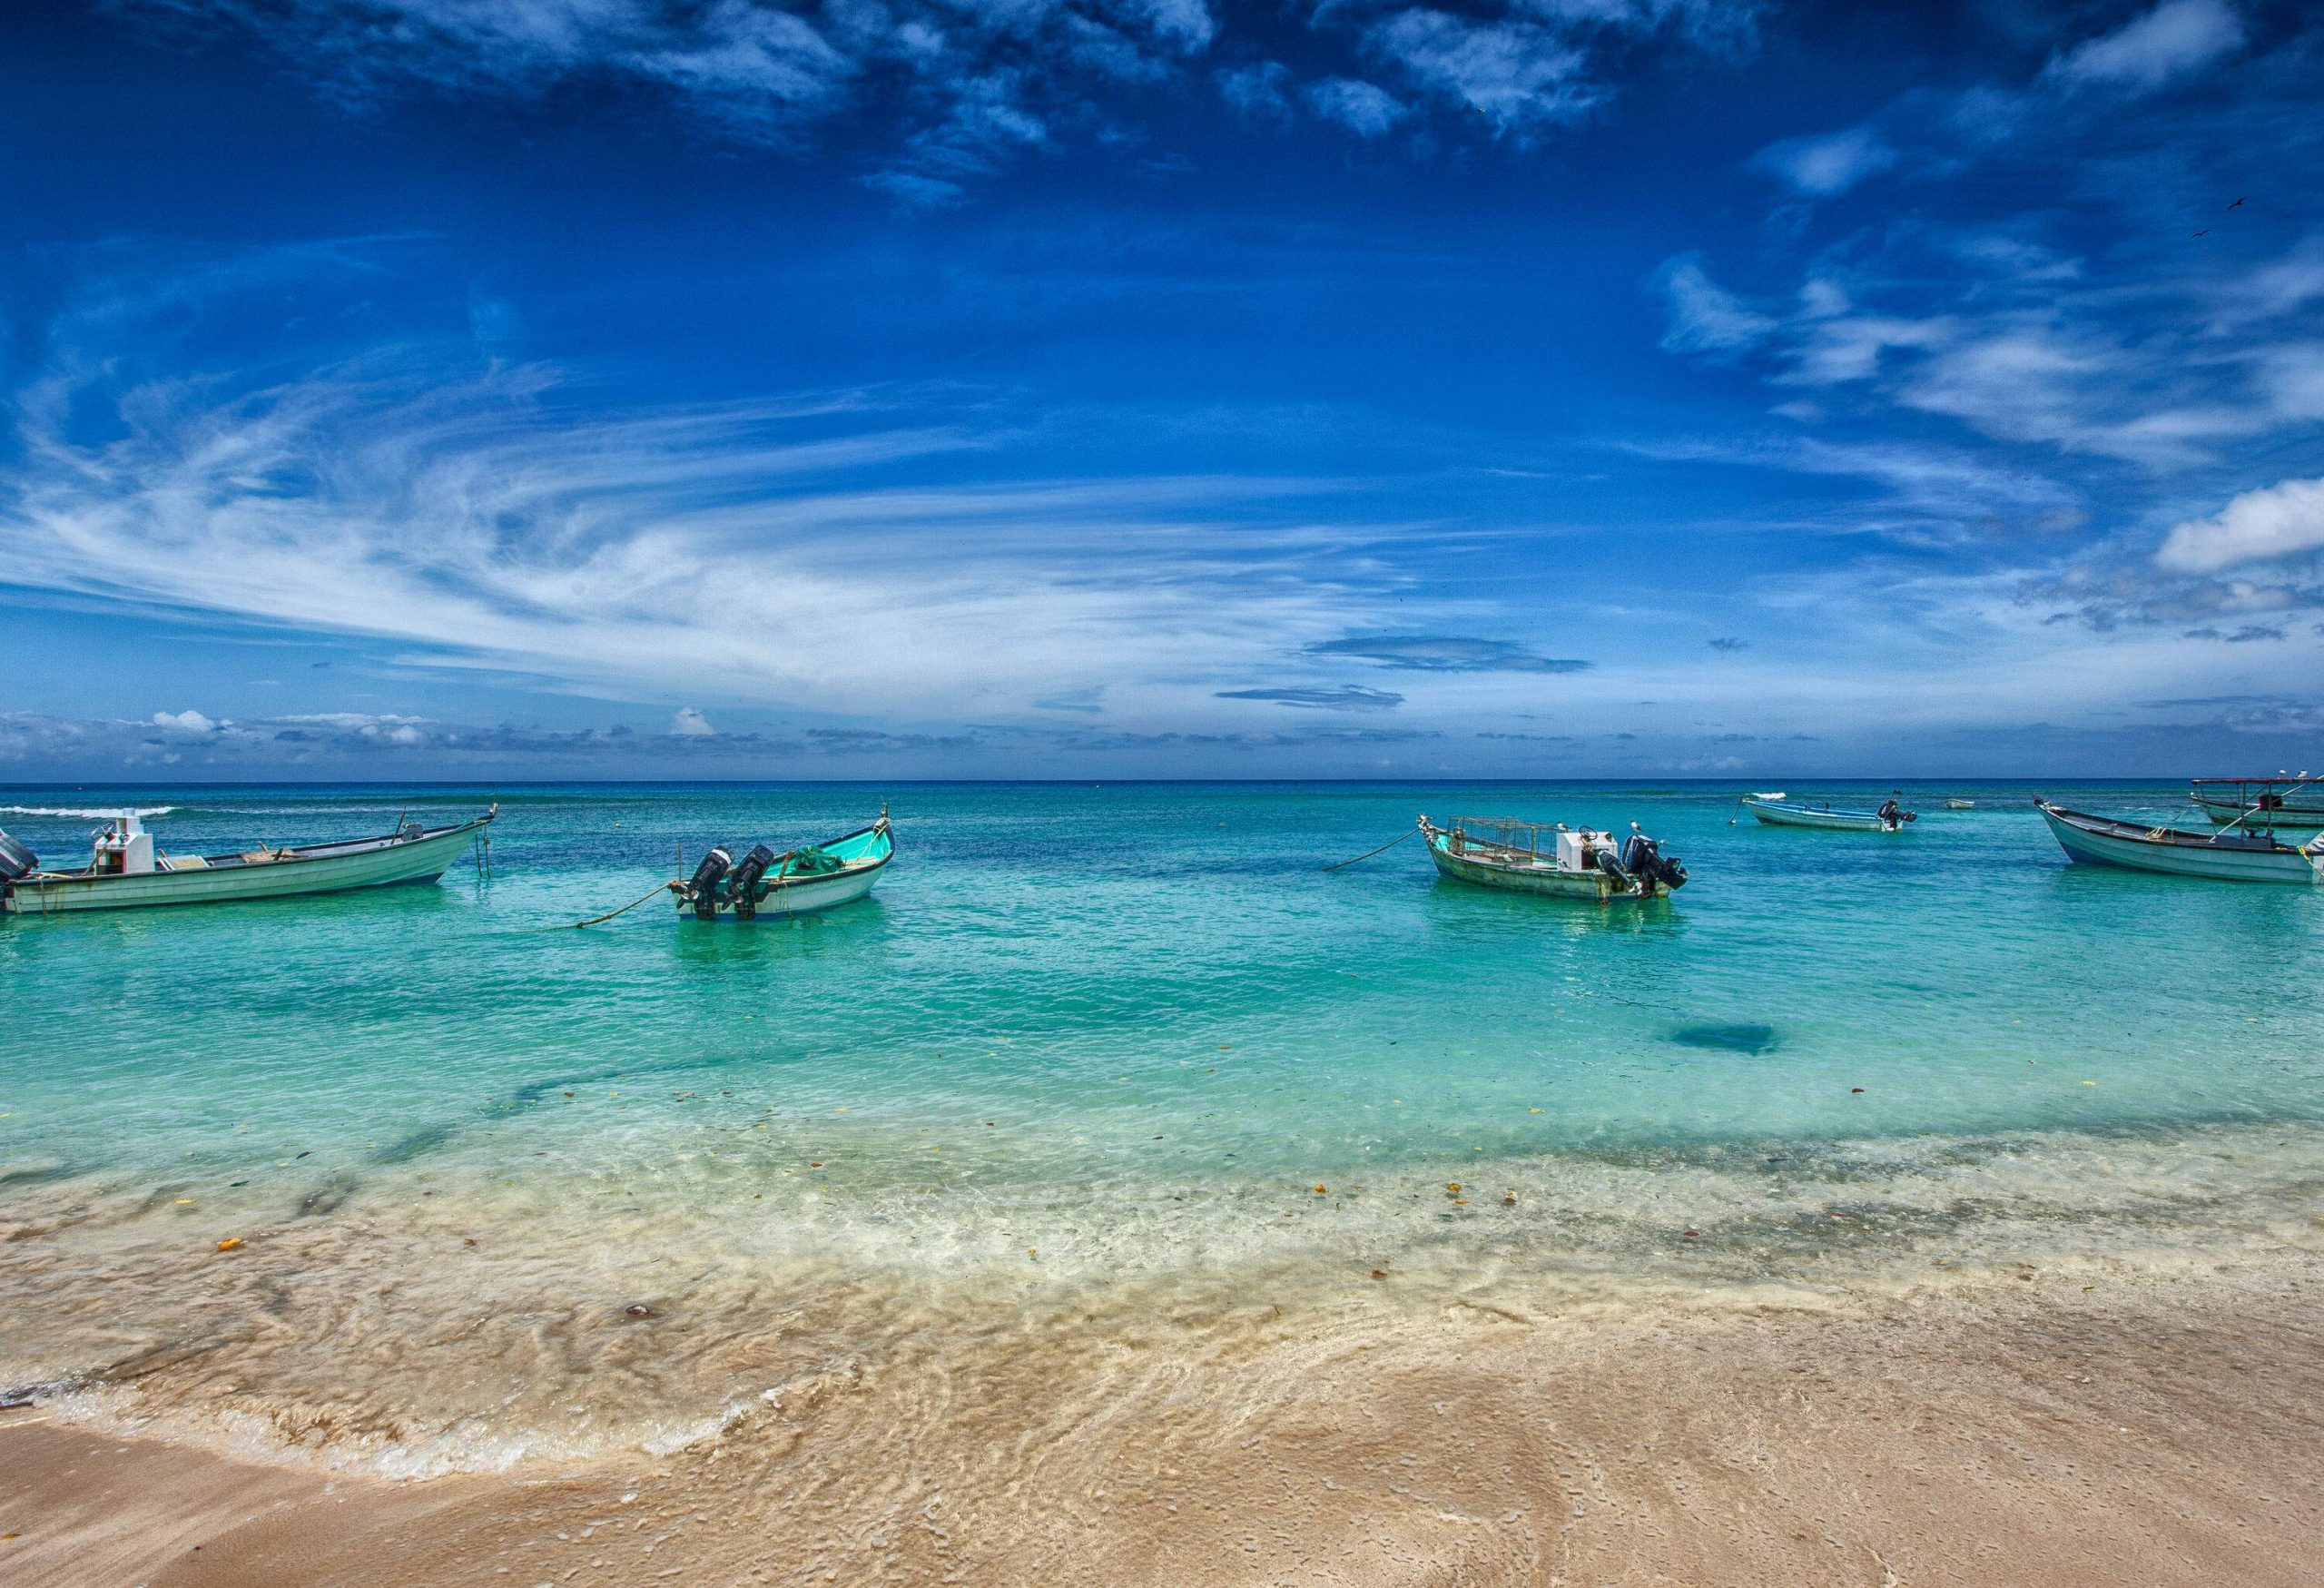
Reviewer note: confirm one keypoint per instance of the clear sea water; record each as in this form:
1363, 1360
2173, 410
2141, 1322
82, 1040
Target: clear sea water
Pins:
1136, 1028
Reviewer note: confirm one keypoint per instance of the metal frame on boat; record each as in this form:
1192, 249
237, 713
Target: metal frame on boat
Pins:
2230, 856
125, 871
1503, 852
2284, 802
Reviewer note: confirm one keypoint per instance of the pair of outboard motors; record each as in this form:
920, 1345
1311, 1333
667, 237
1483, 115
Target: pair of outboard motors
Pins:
1641, 865
719, 880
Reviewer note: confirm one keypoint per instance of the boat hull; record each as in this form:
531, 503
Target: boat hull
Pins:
418, 860
2172, 858
866, 854
1594, 886
1776, 815
805, 896
2236, 814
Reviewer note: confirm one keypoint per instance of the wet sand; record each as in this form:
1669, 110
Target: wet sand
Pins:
2027, 1426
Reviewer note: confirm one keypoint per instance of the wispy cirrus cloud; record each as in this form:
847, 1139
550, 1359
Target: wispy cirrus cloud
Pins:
1335, 697
844, 552
2175, 39
963, 91
1420, 653
1828, 165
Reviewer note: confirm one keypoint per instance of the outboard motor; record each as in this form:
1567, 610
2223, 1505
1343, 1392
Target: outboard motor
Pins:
743, 886
1607, 861
704, 889
16, 860
1643, 857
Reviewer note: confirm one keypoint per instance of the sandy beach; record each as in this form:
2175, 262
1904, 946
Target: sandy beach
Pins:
2019, 1428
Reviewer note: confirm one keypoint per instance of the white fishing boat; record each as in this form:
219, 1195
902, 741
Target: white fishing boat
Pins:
126, 871
2230, 856
2286, 803
1777, 812
1960, 804
799, 881
1575, 863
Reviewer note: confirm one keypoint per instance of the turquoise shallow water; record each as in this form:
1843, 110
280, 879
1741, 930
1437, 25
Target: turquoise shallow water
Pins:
1107, 964
1084, 1046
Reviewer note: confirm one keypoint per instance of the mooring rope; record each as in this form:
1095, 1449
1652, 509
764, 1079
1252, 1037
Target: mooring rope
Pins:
608, 915
1368, 853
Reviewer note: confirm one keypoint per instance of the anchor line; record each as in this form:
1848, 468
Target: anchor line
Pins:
1368, 853
608, 915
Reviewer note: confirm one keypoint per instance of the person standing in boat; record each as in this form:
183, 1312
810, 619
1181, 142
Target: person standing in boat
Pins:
1892, 815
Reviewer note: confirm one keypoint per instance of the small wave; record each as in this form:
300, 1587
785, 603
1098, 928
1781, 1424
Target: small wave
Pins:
91, 810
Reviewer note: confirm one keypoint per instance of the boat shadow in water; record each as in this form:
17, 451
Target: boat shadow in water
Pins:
710, 945
1480, 914
416, 902
1752, 1039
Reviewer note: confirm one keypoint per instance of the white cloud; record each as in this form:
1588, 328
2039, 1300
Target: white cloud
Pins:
2176, 37
1364, 108
1826, 166
1705, 318
2282, 519
2293, 376
1516, 74
184, 722
690, 724
958, 86
455, 513
942, 92
1257, 89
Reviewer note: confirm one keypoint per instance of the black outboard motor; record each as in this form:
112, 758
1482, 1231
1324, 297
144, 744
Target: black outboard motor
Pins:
1643, 857
16, 860
743, 886
1607, 861
704, 889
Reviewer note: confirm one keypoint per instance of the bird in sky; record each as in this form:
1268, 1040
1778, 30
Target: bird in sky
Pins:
2206, 231
2236, 205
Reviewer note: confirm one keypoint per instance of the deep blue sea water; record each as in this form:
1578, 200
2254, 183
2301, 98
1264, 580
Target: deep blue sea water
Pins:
1131, 1028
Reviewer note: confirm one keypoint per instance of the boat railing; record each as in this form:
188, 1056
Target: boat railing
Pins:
1503, 833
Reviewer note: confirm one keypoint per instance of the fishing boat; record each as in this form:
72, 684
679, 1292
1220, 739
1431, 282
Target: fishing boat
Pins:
798, 882
2286, 803
2234, 856
1777, 812
1960, 804
1576, 862
127, 871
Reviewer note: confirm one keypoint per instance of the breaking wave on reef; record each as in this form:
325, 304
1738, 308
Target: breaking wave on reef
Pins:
91, 811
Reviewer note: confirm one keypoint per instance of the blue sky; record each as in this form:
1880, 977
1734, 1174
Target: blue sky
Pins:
1149, 388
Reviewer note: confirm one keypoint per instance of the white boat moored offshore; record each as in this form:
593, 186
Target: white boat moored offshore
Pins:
1960, 804
2230, 856
126, 872
1502, 851
799, 881
2286, 803
1779, 812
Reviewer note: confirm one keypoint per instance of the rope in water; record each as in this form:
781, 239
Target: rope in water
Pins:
1368, 853
634, 903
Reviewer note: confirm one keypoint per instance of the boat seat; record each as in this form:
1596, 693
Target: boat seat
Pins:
184, 863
